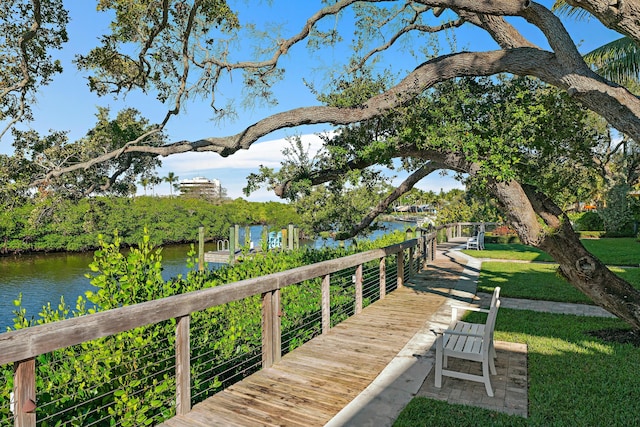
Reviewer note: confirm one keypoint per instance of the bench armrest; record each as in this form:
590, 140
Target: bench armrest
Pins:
452, 332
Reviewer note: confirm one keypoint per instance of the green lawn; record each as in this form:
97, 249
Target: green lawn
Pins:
618, 251
538, 281
513, 251
574, 378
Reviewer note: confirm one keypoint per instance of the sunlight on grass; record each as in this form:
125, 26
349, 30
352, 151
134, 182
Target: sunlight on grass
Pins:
538, 281
570, 373
618, 251
510, 251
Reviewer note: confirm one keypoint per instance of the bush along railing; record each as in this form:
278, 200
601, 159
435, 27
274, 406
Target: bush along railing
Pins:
157, 358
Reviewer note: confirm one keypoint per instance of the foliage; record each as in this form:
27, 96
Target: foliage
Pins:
27, 64
617, 215
512, 128
128, 377
556, 343
114, 177
586, 221
75, 225
501, 239
161, 64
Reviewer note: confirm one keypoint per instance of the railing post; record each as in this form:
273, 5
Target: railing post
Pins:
233, 237
434, 248
383, 277
183, 365
425, 252
400, 269
201, 248
290, 237
359, 289
271, 339
326, 303
265, 237
412, 253
24, 393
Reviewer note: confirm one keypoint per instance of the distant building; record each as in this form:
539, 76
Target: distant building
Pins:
202, 187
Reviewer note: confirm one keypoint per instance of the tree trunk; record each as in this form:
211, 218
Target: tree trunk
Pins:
585, 272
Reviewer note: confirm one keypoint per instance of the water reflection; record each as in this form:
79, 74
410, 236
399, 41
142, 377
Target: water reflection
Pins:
44, 278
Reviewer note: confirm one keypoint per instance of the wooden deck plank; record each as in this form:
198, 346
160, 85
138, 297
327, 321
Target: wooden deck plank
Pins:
311, 384
219, 413
305, 400
345, 382
284, 415
181, 422
283, 404
324, 389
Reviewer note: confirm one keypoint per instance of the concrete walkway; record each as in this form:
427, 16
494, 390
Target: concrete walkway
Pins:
408, 374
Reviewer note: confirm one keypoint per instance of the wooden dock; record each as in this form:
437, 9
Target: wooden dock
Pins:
310, 385
222, 257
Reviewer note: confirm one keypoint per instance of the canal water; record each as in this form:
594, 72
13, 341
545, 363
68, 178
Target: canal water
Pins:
43, 278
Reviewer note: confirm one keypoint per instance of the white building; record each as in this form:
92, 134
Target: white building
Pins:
202, 186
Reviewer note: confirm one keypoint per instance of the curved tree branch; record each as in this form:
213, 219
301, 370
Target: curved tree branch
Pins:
382, 206
621, 16
620, 107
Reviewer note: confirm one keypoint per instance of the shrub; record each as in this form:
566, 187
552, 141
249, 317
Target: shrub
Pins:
501, 239
586, 221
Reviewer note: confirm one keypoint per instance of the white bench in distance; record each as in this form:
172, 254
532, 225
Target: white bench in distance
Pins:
476, 242
470, 341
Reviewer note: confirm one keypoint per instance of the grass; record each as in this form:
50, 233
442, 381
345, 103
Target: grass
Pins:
574, 378
619, 251
510, 251
538, 281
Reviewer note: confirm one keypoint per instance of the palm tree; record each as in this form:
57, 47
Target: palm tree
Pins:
618, 61
145, 183
153, 181
171, 178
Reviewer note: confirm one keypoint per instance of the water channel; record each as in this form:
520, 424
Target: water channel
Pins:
43, 278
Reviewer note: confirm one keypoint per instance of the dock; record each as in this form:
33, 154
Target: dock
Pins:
223, 257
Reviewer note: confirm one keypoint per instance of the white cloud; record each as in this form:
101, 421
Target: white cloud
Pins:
232, 171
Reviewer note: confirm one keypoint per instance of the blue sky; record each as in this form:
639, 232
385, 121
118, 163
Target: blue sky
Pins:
67, 104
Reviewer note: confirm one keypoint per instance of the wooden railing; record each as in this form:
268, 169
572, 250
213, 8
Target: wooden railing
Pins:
21, 347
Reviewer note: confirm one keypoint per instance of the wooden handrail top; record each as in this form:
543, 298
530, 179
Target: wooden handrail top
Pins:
41, 339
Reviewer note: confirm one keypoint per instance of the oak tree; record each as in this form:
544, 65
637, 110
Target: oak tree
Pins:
184, 49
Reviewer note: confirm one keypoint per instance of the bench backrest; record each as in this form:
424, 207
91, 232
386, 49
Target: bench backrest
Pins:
490, 326
496, 296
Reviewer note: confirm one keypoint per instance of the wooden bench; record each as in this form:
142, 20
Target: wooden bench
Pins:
469, 341
476, 242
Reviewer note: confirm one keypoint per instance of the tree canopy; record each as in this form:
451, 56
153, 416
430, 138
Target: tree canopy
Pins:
186, 50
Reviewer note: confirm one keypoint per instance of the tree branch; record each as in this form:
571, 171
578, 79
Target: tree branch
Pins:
621, 16
97, 160
382, 206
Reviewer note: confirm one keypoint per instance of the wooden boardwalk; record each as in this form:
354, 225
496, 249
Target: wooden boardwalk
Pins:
310, 385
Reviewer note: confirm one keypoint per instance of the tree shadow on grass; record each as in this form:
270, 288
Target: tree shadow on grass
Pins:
574, 377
